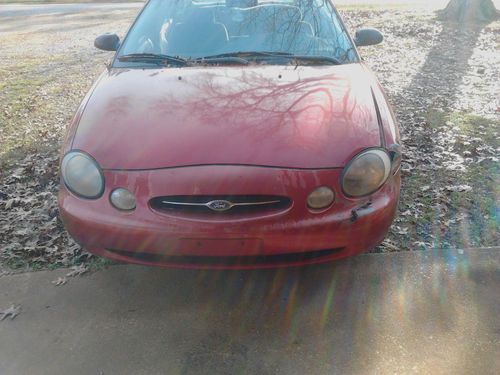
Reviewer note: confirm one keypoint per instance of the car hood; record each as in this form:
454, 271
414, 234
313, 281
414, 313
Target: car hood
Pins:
294, 117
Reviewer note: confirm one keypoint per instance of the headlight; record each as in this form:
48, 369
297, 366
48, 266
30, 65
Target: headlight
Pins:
82, 175
366, 173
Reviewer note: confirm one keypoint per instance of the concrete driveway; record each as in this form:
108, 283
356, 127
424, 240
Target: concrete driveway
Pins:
412, 312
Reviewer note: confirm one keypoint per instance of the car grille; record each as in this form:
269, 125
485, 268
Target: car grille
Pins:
220, 205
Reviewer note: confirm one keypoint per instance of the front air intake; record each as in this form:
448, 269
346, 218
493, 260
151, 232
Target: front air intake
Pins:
220, 204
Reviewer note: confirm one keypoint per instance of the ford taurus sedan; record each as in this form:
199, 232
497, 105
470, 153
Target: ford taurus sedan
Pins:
237, 133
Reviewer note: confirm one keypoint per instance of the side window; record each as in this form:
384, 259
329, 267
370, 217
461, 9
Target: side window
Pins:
144, 36
332, 38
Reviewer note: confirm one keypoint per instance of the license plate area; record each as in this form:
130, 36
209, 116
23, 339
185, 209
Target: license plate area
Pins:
219, 247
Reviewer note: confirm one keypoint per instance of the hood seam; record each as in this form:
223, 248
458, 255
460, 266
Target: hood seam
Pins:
379, 120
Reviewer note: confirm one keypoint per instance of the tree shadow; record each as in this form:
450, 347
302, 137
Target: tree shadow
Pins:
434, 92
438, 81
437, 87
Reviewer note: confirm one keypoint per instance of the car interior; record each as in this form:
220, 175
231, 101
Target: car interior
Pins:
238, 25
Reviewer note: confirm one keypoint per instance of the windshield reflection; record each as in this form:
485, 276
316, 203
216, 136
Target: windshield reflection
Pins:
196, 29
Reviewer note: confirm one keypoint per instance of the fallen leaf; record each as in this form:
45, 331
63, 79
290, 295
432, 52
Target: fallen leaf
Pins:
11, 312
403, 231
459, 188
10, 203
77, 270
60, 281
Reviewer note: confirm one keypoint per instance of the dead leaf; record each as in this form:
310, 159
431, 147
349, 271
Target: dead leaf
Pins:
60, 281
77, 270
390, 245
459, 188
11, 312
10, 203
403, 231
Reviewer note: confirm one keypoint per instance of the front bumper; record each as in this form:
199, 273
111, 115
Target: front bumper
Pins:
294, 236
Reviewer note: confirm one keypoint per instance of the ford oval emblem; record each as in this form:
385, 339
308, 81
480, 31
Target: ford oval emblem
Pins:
219, 205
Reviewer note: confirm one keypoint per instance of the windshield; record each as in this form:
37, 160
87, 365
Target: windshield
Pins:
195, 29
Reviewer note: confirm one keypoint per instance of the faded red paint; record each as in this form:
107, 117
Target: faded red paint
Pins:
277, 130
311, 117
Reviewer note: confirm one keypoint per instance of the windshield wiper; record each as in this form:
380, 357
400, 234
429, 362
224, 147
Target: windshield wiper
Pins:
153, 58
220, 60
286, 55
316, 59
167, 59
249, 54
240, 57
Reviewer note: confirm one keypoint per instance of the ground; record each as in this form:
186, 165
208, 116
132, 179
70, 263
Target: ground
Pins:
442, 80
421, 312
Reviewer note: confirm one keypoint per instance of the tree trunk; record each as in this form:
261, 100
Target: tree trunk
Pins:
469, 10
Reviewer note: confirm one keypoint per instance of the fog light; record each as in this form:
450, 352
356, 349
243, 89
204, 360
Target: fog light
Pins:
320, 198
122, 199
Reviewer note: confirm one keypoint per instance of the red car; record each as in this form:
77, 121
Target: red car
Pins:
232, 134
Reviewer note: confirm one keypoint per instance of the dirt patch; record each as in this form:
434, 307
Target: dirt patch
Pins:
440, 78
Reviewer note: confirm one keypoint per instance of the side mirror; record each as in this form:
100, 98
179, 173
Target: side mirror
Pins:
107, 42
368, 37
